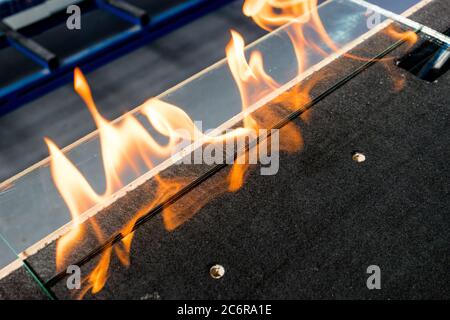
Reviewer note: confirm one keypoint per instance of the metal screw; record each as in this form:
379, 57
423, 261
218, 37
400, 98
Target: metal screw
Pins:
217, 271
358, 157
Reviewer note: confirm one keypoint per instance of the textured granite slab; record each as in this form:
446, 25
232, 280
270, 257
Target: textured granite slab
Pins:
312, 230
19, 285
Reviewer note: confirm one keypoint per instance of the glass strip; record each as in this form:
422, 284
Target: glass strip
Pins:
397, 7
385, 11
31, 208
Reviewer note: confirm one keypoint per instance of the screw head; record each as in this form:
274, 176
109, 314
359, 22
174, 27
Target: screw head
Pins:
358, 157
217, 271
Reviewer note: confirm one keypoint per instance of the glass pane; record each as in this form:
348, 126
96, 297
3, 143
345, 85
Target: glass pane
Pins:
7, 255
31, 208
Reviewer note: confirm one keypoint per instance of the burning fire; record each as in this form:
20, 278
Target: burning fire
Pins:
126, 145
123, 145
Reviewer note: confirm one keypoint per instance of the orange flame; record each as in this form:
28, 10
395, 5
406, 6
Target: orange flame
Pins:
303, 15
254, 83
127, 145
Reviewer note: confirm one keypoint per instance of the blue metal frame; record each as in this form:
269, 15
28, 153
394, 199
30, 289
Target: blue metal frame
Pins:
44, 81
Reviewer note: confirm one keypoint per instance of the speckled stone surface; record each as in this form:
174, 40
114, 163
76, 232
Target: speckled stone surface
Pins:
312, 230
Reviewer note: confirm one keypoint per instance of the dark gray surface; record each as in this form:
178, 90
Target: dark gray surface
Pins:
312, 230
19, 285
118, 87
111, 220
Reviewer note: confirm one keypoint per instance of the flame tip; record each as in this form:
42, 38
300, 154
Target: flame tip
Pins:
126, 143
